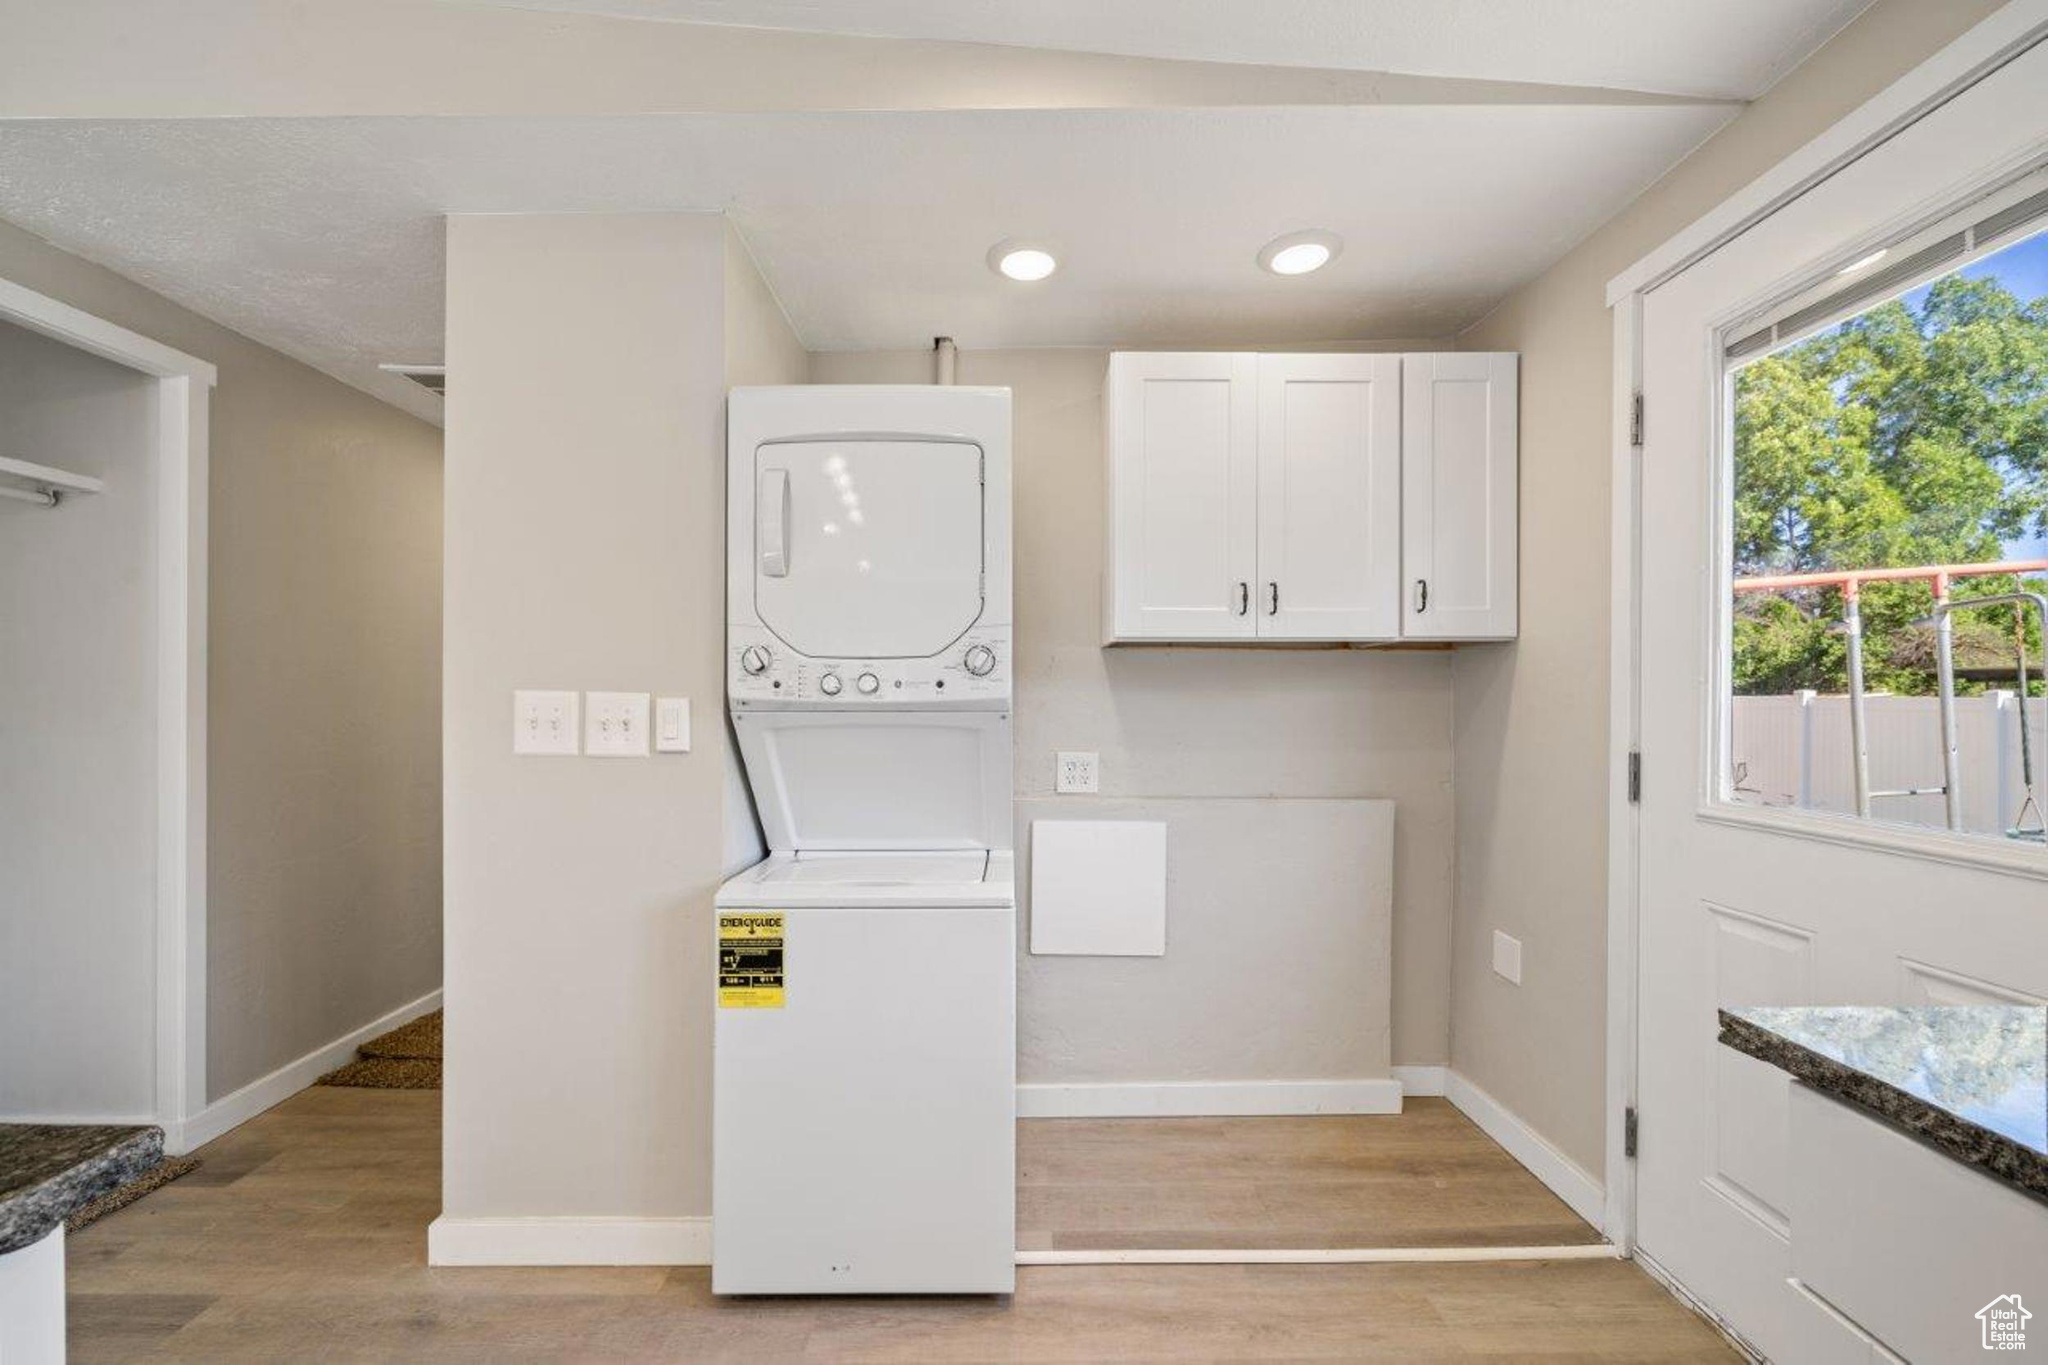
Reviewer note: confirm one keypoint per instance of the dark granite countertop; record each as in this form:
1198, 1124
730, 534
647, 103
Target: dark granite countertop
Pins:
1971, 1080
48, 1170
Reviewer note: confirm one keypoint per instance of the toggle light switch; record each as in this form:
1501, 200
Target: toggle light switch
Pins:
544, 722
615, 724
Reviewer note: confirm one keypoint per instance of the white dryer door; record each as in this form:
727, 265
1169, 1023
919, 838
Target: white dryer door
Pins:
868, 549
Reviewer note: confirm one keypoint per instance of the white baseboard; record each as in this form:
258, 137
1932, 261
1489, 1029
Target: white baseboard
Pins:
1567, 1179
1421, 1080
569, 1241
1192, 1099
232, 1111
1595, 1251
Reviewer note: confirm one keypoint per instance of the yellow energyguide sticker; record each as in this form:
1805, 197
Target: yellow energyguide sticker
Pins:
750, 960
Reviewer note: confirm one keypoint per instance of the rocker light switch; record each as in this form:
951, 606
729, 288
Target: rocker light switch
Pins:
672, 725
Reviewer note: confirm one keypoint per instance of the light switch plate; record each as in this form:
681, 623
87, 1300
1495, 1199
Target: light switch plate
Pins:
1074, 772
672, 725
1507, 957
615, 724
544, 722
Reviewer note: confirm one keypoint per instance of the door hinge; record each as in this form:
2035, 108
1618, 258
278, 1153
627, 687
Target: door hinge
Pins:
1628, 1132
1635, 777
1635, 422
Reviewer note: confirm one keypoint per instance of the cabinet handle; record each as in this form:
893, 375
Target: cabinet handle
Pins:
1244, 597
1421, 594
1273, 607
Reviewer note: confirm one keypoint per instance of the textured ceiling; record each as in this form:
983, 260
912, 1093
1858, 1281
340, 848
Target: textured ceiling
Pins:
284, 168
1730, 49
322, 236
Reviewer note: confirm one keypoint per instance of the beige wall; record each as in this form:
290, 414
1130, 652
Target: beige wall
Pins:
323, 752
1201, 722
588, 360
1531, 718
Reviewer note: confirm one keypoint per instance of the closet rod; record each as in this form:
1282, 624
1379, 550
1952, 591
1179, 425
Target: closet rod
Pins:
41, 497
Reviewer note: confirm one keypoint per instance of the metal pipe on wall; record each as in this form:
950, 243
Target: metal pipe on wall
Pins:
945, 360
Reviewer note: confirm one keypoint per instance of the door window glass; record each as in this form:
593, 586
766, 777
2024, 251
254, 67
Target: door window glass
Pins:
1889, 547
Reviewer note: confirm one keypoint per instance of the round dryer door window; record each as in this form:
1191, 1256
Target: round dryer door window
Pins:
868, 549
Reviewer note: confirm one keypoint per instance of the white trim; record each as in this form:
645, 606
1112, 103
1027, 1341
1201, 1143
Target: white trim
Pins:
1566, 1178
1421, 1080
76, 327
288, 1080
1188, 1099
1623, 735
184, 386
1990, 44
1588, 1251
569, 1241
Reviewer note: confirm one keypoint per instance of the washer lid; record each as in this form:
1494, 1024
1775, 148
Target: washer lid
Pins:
868, 549
837, 781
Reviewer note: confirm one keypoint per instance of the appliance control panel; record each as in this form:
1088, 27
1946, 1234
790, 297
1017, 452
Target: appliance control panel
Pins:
973, 671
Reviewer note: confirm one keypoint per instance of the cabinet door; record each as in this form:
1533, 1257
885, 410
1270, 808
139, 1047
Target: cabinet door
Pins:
1183, 438
1329, 497
1458, 497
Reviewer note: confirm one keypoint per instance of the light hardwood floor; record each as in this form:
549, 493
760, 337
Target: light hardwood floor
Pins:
1426, 1177
303, 1238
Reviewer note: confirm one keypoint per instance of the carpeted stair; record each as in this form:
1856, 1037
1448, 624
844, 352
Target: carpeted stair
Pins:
407, 1058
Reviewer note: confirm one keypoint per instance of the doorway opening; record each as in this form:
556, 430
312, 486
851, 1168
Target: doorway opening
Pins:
103, 440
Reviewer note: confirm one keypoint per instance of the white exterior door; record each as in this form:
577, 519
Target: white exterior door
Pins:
1183, 494
1329, 497
1458, 496
1740, 904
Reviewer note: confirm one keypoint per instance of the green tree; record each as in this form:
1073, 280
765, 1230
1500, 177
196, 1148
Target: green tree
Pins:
1911, 434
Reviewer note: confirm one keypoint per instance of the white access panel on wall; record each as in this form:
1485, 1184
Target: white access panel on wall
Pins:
1329, 497
1182, 482
1458, 496
1098, 888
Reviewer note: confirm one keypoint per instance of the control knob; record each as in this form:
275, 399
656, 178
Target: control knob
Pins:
868, 683
980, 660
754, 660
830, 684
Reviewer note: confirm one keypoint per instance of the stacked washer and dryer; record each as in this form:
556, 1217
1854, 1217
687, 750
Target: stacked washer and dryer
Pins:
864, 1057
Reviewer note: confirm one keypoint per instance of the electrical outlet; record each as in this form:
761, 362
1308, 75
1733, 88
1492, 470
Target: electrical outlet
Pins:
1507, 957
544, 722
615, 724
1075, 772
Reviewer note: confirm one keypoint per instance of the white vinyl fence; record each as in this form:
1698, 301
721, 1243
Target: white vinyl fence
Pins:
1794, 751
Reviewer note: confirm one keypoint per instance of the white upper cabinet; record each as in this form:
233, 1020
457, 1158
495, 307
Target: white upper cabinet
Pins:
1182, 521
1458, 496
1283, 497
1329, 497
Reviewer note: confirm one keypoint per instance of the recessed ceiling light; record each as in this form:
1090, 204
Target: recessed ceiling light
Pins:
1024, 261
1298, 253
1865, 262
